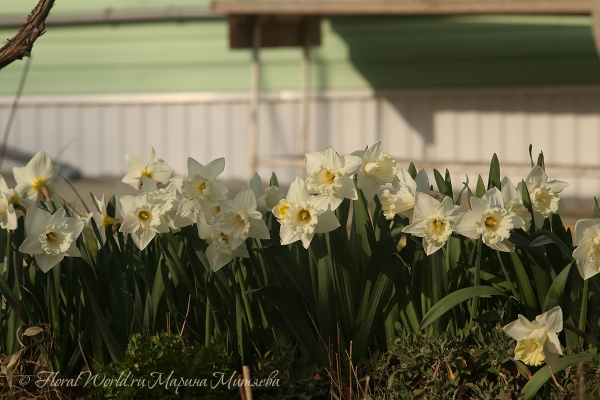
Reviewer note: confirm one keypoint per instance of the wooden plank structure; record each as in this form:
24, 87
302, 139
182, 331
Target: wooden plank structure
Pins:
273, 23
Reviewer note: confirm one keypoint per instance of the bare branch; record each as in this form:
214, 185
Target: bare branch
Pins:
20, 45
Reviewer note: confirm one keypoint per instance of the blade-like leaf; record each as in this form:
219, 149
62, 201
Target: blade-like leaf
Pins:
540, 377
494, 178
454, 299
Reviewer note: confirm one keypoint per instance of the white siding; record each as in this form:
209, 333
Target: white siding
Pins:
455, 128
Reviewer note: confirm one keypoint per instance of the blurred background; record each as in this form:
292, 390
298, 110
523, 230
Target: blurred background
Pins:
444, 88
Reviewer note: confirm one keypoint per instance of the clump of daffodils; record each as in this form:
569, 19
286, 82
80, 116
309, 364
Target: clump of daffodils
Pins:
537, 341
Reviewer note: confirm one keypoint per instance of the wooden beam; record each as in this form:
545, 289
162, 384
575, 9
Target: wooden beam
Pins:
275, 31
400, 7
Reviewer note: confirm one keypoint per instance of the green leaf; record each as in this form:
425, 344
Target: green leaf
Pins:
557, 289
443, 187
596, 209
297, 320
480, 189
454, 299
531, 155
540, 160
459, 195
274, 181
412, 170
494, 178
539, 379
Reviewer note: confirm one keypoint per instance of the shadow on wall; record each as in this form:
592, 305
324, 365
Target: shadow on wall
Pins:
468, 52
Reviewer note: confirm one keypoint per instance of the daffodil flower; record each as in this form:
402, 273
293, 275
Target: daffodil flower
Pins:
267, 199
302, 215
544, 195
377, 168
221, 247
202, 184
537, 341
403, 201
490, 220
587, 253
36, 179
142, 218
432, 220
137, 167
50, 237
239, 219
19, 204
514, 202
102, 219
164, 194
329, 175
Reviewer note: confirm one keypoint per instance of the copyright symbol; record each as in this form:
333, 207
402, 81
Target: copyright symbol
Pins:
24, 380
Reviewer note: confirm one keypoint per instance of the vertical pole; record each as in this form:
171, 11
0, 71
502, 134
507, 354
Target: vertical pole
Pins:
254, 99
305, 105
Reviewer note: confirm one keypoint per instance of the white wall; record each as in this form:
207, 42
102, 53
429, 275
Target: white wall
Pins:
455, 128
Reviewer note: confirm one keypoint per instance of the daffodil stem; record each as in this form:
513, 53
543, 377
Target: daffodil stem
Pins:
208, 324
240, 280
477, 282
584, 305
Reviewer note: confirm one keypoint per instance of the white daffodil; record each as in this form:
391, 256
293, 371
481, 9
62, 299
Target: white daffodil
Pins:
587, 253
137, 167
403, 201
537, 341
36, 179
142, 218
19, 204
302, 215
378, 168
514, 202
201, 184
432, 220
221, 248
101, 218
166, 195
265, 201
544, 195
239, 219
50, 237
329, 175
490, 220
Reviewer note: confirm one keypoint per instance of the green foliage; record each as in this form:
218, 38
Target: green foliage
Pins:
473, 364
164, 361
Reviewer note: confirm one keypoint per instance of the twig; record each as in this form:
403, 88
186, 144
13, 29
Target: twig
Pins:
21, 44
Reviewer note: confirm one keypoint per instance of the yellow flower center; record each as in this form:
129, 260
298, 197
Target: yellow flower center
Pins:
15, 199
51, 237
107, 221
147, 173
39, 183
201, 186
530, 351
328, 177
144, 215
215, 210
490, 222
439, 224
284, 206
224, 237
304, 215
